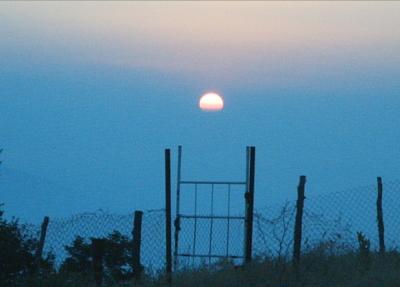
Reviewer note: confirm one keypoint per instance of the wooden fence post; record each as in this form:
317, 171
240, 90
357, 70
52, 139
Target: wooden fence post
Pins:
168, 240
137, 238
379, 212
299, 222
42, 239
249, 208
98, 248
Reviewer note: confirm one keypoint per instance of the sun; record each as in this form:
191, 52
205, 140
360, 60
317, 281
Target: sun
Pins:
211, 102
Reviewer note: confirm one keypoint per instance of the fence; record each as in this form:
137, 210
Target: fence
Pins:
333, 218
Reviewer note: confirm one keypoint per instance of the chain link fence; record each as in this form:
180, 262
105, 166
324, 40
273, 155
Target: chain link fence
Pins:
61, 234
332, 220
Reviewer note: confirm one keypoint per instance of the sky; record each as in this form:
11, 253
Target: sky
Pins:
93, 92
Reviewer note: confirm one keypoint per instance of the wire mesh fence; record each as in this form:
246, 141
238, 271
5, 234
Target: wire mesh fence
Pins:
63, 233
153, 241
205, 241
332, 219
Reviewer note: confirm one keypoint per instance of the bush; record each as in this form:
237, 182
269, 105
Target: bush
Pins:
117, 259
17, 249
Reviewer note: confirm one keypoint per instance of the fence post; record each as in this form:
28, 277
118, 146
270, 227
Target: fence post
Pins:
299, 222
379, 211
249, 198
168, 255
42, 239
98, 246
137, 238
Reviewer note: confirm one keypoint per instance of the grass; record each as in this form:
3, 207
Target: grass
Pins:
317, 269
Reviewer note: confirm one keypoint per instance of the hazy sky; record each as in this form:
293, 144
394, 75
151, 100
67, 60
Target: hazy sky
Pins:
91, 94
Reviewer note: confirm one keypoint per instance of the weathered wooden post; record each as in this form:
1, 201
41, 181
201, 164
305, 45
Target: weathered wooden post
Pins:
137, 239
249, 200
299, 222
379, 212
168, 240
42, 239
98, 248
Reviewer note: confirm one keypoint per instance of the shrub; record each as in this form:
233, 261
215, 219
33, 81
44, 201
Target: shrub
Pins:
17, 248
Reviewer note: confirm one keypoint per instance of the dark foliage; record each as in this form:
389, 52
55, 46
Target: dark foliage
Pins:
17, 250
117, 260
79, 257
118, 256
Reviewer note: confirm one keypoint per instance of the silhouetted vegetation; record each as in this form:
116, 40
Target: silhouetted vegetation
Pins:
329, 263
117, 257
17, 253
318, 269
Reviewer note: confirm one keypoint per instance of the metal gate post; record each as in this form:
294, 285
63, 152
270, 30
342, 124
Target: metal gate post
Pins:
168, 256
249, 198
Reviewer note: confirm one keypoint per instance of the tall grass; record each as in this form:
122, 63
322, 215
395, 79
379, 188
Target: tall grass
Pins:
318, 268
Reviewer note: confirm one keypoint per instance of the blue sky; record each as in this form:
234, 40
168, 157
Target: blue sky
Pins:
92, 93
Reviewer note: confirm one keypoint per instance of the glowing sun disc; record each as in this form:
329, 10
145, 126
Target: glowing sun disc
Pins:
211, 102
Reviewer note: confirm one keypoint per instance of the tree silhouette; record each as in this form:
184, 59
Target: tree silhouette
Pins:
79, 257
118, 256
17, 249
117, 260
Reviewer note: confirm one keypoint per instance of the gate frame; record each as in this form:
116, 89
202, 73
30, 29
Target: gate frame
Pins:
247, 218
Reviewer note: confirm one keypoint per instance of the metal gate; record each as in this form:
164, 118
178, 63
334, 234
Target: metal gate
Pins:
184, 218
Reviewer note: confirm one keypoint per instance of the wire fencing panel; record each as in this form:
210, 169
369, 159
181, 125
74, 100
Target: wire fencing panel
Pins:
153, 241
226, 241
100, 224
211, 223
62, 232
331, 221
391, 214
273, 231
339, 216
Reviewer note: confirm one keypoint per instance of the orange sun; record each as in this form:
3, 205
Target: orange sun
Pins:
211, 102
